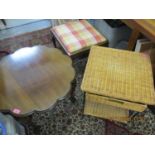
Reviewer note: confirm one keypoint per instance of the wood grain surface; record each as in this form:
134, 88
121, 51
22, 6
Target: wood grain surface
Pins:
133, 39
33, 79
143, 26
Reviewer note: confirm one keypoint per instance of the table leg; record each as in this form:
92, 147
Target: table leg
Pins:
132, 40
3, 21
72, 93
152, 108
53, 39
113, 129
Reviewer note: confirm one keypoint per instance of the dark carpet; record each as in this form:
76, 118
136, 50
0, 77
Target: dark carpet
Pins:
67, 118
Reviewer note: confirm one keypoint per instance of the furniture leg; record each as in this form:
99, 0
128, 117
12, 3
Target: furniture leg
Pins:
3, 21
111, 128
152, 108
133, 38
72, 94
54, 41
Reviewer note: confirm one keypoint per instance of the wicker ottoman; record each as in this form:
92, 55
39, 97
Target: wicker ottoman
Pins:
77, 36
116, 81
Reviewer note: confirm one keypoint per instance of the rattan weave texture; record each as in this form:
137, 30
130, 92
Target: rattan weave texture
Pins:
119, 74
105, 111
116, 103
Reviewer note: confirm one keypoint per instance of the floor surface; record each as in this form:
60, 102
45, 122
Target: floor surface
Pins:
67, 116
26, 28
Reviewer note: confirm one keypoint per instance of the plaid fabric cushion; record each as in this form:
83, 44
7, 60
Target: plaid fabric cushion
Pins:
77, 35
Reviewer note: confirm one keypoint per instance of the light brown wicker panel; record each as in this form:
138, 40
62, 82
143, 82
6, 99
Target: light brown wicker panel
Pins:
116, 103
105, 111
119, 74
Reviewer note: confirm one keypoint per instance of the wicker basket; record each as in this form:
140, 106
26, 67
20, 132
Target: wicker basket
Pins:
119, 74
118, 78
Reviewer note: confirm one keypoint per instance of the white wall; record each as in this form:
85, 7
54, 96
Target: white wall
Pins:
18, 22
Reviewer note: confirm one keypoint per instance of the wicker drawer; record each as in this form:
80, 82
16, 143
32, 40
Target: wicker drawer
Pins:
116, 103
105, 111
116, 81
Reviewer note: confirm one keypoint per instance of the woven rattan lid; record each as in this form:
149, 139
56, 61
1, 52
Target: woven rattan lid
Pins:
119, 74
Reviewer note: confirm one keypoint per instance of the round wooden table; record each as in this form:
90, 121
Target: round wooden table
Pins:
33, 78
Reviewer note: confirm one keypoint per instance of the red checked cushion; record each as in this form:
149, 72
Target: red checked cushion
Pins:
78, 35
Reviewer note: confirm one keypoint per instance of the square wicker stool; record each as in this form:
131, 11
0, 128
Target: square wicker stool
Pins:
77, 36
116, 81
